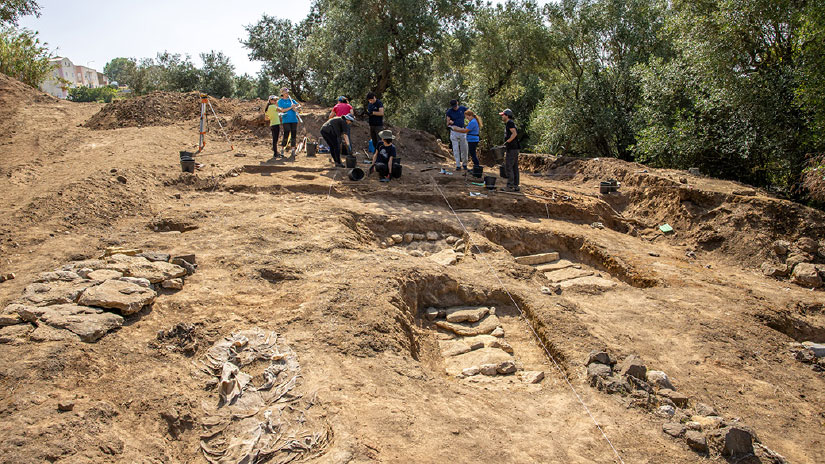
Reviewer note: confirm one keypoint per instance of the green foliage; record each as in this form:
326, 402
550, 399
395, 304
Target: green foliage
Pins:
12, 10
177, 75
263, 87
217, 75
281, 46
120, 70
23, 56
244, 87
810, 55
85, 94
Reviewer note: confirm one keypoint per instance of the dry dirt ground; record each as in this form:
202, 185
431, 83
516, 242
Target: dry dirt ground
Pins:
295, 248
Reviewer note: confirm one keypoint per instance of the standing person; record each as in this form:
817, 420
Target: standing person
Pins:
455, 119
289, 119
511, 144
473, 127
274, 117
384, 156
375, 110
340, 109
334, 131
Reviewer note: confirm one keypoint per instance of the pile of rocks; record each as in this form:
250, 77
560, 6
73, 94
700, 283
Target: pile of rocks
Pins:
802, 261
810, 353
473, 343
84, 300
445, 257
700, 426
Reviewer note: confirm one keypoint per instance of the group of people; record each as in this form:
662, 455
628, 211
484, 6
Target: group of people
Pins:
463, 123
464, 126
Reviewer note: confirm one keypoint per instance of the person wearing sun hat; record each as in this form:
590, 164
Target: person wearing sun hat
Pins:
274, 117
334, 131
512, 147
384, 156
289, 119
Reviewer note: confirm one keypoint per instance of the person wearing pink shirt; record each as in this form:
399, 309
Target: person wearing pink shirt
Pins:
342, 109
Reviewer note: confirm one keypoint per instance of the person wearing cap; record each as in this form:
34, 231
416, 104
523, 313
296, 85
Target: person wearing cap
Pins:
334, 132
375, 111
384, 156
274, 117
511, 145
289, 119
458, 135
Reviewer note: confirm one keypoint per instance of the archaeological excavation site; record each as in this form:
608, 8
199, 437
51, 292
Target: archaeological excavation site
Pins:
264, 310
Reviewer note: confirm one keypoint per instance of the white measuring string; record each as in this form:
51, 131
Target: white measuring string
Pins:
493, 271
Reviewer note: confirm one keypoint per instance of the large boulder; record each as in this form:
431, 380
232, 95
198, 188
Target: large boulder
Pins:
600, 357
659, 379
446, 257
697, 441
806, 275
633, 366
797, 258
87, 323
679, 399
807, 245
466, 313
56, 292
126, 297
733, 441
485, 326
780, 247
774, 270
137, 266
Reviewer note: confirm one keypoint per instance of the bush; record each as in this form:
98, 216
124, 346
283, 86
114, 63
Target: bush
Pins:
23, 56
99, 94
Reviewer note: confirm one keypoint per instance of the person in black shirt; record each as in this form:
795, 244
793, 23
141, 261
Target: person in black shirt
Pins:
375, 110
334, 131
511, 144
384, 156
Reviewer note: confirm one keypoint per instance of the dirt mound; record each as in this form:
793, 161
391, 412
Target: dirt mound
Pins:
14, 93
155, 109
707, 214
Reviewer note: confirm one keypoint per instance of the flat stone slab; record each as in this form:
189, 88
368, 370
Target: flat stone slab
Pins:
57, 292
453, 348
485, 326
136, 266
540, 258
466, 313
104, 274
65, 276
818, 349
87, 323
567, 274
456, 364
588, 282
556, 266
126, 297
446, 257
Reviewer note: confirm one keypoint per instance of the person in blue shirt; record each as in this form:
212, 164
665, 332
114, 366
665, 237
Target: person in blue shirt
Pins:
473, 127
458, 137
384, 156
289, 120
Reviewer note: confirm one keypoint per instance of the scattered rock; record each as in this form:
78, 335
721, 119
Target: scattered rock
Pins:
597, 225
452, 239
659, 379
111, 251
155, 257
683, 180
121, 179
467, 313
506, 368
633, 366
459, 244
554, 290
595, 370
408, 237
600, 357
498, 332
419, 237
806, 275
666, 411
5, 277
679, 399
774, 270
471, 371
173, 284
417, 254
807, 245
797, 258
397, 238
87, 323
432, 236
532, 376
704, 410
488, 369
780, 247
485, 326
734, 441
446, 257
189, 267
104, 274
64, 406
126, 297
55, 276
696, 441
611, 385
431, 313
707, 422
817, 349
674, 429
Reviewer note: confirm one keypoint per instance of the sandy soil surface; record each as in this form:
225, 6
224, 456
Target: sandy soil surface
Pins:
294, 247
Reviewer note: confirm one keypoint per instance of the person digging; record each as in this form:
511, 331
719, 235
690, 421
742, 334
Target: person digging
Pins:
334, 132
384, 156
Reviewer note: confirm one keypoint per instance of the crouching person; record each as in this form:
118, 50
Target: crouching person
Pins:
382, 161
334, 131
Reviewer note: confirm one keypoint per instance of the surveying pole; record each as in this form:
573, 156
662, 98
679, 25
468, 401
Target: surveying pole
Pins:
204, 126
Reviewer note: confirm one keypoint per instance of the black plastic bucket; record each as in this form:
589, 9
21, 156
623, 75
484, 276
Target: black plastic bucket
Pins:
490, 182
478, 171
351, 161
312, 148
187, 165
502, 171
187, 156
356, 174
396, 168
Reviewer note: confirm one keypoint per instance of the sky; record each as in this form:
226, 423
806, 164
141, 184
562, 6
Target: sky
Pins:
93, 32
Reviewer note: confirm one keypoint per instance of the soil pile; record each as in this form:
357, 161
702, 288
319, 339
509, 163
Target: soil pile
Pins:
14, 93
155, 109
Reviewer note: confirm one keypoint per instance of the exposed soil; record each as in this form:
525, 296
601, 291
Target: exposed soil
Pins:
294, 247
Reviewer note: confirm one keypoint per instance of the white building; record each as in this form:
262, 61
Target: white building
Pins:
66, 75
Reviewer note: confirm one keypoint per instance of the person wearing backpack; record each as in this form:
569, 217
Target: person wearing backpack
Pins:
512, 147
